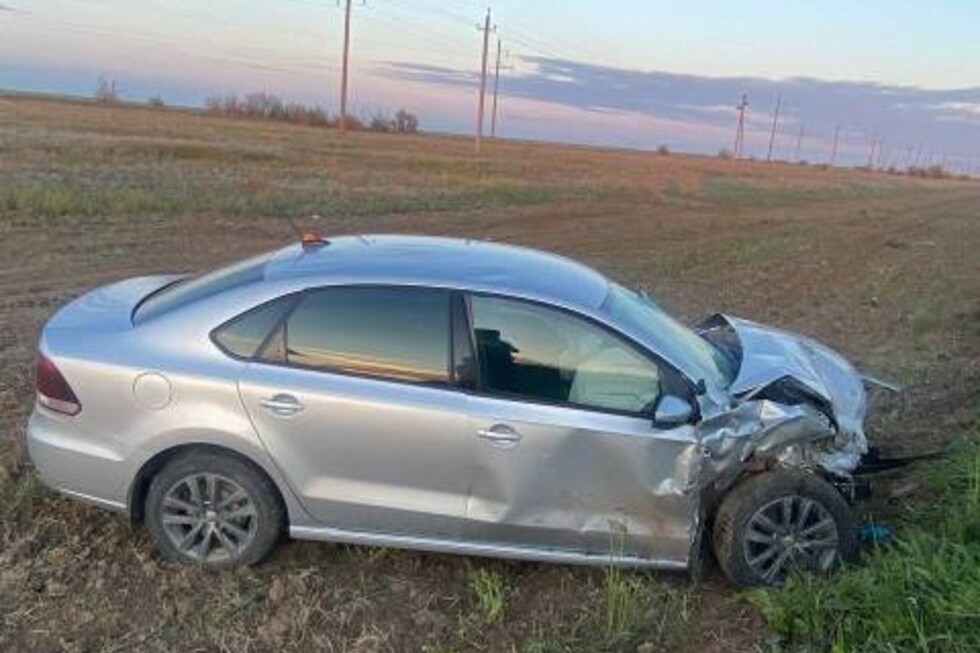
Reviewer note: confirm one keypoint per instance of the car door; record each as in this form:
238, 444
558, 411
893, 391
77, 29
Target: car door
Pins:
353, 399
568, 456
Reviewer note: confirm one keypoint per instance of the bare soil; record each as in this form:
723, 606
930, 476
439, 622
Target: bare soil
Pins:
884, 268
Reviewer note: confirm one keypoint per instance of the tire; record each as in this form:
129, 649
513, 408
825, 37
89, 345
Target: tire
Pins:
214, 510
756, 544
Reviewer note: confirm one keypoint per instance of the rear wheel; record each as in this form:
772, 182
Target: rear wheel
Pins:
213, 510
778, 521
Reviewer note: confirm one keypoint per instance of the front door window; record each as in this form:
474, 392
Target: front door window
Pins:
528, 351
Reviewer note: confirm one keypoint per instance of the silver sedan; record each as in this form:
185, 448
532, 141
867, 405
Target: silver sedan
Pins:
446, 395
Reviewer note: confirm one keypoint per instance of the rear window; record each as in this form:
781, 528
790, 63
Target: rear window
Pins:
400, 334
192, 289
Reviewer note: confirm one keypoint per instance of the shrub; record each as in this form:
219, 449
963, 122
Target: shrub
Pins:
930, 172
381, 123
265, 106
405, 122
725, 153
155, 101
663, 149
351, 123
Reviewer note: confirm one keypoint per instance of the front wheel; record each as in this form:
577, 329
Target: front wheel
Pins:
213, 510
778, 521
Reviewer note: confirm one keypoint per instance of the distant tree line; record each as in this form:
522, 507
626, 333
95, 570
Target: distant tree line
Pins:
266, 106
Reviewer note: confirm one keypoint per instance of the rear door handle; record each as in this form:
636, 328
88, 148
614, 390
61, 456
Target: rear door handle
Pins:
282, 404
500, 435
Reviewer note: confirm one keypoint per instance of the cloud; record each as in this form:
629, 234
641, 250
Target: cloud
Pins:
902, 115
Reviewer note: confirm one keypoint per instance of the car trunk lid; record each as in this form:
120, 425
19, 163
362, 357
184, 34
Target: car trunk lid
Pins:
110, 307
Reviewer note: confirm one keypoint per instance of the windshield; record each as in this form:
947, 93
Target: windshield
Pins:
637, 312
191, 289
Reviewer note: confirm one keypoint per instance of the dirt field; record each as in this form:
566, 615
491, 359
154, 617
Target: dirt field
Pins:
884, 268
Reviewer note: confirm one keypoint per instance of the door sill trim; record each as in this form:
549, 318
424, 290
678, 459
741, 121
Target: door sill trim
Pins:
327, 534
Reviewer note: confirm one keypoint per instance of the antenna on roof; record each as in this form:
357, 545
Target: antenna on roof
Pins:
307, 237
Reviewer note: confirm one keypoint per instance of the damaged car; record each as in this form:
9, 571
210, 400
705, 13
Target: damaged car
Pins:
446, 395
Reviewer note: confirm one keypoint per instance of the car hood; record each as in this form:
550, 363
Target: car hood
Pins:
769, 354
791, 395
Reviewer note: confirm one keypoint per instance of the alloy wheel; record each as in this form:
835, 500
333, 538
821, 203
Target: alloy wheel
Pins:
209, 517
791, 532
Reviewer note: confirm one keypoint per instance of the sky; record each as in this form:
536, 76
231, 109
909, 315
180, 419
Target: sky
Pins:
623, 73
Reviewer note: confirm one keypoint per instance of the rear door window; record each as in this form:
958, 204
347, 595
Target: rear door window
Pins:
401, 334
244, 335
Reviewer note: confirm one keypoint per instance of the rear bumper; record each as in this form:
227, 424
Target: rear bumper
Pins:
69, 462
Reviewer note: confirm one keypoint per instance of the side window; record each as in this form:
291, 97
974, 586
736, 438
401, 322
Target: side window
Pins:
526, 350
243, 335
391, 333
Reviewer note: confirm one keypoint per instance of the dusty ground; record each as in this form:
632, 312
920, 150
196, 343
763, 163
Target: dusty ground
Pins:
884, 268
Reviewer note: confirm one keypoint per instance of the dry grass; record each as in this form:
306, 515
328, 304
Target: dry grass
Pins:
882, 267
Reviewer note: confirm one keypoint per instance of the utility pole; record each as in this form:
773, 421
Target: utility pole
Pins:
871, 154
343, 74
918, 156
833, 152
483, 82
772, 132
881, 154
496, 85
740, 127
799, 143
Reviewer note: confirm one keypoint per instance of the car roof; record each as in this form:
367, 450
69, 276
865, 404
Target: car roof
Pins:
444, 262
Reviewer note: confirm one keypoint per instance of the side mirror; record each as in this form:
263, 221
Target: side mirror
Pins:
672, 411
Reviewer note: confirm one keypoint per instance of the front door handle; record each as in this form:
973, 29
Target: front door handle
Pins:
500, 435
282, 404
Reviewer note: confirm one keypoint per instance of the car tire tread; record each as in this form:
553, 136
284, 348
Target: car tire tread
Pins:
270, 511
744, 499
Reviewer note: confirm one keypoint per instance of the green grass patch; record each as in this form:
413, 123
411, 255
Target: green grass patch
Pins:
488, 588
626, 610
920, 594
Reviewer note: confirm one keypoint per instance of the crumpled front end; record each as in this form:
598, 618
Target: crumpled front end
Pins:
796, 403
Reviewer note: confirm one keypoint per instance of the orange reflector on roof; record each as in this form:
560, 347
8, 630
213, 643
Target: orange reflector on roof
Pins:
311, 238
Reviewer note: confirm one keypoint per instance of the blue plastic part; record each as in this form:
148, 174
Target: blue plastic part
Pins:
875, 533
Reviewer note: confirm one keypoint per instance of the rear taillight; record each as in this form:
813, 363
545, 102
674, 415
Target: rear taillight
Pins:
53, 390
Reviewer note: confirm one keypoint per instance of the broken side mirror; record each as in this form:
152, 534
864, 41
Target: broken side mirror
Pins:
672, 411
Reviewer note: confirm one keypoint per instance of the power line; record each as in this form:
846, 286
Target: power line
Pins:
436, 25
446, 41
